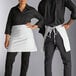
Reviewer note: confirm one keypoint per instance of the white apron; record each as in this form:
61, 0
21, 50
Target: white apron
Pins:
62, 31
21, 39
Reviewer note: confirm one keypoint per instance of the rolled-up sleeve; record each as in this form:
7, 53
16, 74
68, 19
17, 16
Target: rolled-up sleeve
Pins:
40, 22
9, 23
69, 4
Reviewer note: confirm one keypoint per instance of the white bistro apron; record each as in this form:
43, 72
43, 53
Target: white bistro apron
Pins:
62, 31
21, 39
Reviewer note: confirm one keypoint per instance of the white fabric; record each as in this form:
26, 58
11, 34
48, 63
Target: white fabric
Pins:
21, 39
61, 29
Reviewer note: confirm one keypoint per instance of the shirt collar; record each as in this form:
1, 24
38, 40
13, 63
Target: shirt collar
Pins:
27, 6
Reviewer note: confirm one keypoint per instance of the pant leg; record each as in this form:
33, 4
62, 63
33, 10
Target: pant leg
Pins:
10, 58
24, 63
66, 56
49, 49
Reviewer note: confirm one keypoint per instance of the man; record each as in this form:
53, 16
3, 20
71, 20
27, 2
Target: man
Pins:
54, 32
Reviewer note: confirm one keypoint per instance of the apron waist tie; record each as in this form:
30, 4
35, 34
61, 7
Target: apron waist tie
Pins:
62, 32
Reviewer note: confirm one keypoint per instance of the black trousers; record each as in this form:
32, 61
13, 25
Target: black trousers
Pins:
10, 60
49, 48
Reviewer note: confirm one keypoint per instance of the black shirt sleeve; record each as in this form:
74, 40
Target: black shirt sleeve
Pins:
39, 17
41, 10
69, 4
9, 23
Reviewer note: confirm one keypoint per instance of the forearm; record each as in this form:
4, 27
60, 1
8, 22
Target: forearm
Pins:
70, 22
40, 19
40, 23
7, 36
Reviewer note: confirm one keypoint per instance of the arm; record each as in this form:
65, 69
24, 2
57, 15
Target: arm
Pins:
9, 23
68, 24
41, 9
70, 5
7, 37
37, 15
8, 29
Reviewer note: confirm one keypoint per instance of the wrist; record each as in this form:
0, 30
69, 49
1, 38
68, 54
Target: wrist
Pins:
7, 37
70, 22
36, 26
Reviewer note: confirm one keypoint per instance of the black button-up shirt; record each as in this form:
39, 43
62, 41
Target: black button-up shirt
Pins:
16, 17
53, 11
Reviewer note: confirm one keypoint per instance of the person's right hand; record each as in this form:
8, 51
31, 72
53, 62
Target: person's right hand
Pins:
6, 41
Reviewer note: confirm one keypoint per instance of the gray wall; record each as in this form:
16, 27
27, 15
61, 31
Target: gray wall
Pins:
36, 66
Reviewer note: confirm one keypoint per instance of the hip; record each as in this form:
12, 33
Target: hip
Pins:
21, 31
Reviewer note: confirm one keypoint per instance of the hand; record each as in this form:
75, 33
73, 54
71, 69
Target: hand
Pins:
66, 26
6, 43
29, 25
7, 40
34, 27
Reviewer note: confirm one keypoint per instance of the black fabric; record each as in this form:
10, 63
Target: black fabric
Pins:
69, 4
10, 59
49, 49
53, 13
16, 17
50, 11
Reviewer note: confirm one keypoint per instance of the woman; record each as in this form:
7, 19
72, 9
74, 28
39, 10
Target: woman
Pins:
19, 35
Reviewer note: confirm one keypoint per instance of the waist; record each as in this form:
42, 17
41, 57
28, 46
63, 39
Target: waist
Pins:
19, 25
20, 28
21, 31
58, 26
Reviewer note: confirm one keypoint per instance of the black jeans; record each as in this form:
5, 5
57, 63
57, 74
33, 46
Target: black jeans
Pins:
49, 49
10, 60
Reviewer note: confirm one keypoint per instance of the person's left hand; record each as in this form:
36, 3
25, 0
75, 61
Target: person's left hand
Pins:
66, 26
29, 25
